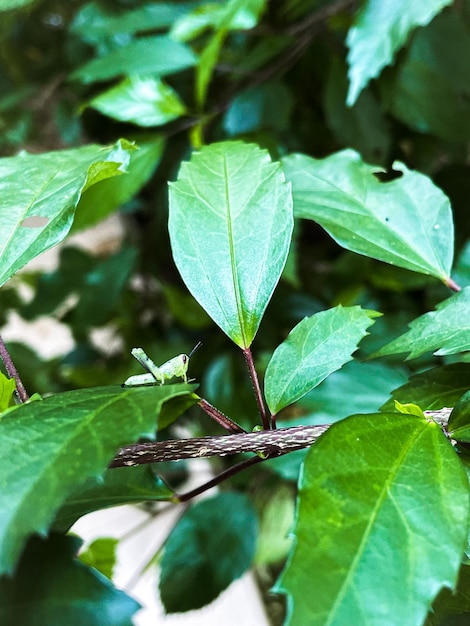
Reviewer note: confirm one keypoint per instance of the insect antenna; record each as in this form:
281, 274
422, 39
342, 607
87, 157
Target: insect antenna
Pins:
196, 347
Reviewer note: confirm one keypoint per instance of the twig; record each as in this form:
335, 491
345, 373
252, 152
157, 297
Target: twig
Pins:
12, 371
228, 473
270, 443
220, 418
257, 389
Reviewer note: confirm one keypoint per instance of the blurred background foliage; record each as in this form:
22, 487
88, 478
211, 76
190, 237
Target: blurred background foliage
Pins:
171, 76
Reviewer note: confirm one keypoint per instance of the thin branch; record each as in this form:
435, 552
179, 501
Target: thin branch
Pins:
452, 285
273, 442
220, 417
256, 387
228, 473
12, 371
270, 443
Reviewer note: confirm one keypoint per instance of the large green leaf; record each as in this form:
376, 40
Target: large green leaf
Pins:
40, 193
379, 31
213, 544
316, 347
444, 331
381, 524
158, 55
405, 222
142, 100
120, 485
435, 388
49, 448
52, 587
230, 228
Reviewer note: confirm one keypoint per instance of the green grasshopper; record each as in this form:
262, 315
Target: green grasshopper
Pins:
175, 367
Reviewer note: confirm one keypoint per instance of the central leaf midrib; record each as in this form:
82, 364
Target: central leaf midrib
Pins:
236, 286
372, 521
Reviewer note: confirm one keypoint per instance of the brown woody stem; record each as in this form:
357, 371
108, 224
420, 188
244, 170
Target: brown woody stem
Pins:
12, 371
256, 387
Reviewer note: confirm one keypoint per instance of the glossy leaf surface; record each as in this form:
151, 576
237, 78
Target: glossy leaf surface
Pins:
46, 189
405, 222
213, 544
52, 587
379, 31
316, 347
434, 388
230, 229
142, 100
391, 501
443, 331
72, 435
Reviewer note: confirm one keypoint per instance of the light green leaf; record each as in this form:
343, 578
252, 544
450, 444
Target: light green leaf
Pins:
316, 347
39, 196
379, 31
443, 331
100, 200
7, 389
49, 448
120, 485
101, 554
409, 409
213, 544
52, 587
435, 388
157, 55
379, 495
405, 222
230, 229
142, 100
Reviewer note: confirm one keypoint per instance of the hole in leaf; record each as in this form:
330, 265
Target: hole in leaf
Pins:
389, 175
35, 221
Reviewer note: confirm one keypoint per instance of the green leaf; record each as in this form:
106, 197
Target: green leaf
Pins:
405, 222
409, 409
315, 348
46, 189
100, 200
459, 420
118, 486
142, 100
444, 331
101, 554
92, 24
378, 493
51, 587
379, 31
7, 389
158, 55
230, 229
213, 544
435, 388
427, 89
49, 448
